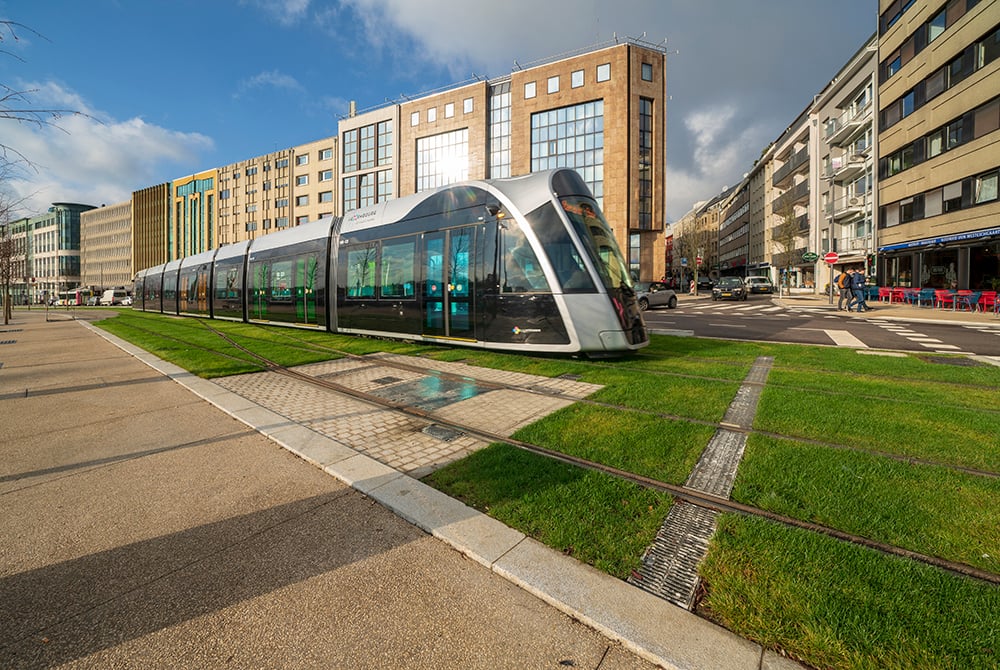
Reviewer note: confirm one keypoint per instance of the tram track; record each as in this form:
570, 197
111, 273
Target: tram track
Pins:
688, 495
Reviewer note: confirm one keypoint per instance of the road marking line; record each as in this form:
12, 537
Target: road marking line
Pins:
843, 338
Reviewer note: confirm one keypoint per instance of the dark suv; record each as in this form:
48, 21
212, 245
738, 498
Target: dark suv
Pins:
731, 288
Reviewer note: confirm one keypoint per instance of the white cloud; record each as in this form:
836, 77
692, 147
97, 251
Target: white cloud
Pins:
269, 79
90, 158
286, 12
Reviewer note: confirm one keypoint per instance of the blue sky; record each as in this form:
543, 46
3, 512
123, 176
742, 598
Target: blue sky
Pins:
172, 88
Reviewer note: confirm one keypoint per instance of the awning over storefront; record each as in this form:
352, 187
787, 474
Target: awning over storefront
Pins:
944, 239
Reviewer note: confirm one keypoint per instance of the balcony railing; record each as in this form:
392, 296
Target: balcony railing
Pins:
849, 206
844, 128
794, 195
788, 169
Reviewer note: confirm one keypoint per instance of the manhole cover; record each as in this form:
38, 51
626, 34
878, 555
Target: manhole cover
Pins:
961, 362
442, 433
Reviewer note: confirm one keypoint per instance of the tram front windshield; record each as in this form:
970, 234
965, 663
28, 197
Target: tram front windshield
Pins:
594, 231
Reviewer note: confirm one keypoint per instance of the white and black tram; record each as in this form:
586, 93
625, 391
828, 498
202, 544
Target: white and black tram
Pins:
523, 264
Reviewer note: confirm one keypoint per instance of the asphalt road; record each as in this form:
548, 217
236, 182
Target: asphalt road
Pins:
759, 319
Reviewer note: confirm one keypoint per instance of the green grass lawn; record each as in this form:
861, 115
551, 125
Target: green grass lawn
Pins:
827, 423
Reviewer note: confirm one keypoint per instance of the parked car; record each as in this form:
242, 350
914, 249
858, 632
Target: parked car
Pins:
759, 285
127, 301
705, 283
731, 288
654, 294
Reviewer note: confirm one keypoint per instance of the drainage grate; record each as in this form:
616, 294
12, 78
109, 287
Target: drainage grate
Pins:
12, 330
442, 433
7, 341
959, 361
571, 377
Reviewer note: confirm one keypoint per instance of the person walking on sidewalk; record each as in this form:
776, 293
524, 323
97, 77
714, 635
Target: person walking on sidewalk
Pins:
858, 287
844, 287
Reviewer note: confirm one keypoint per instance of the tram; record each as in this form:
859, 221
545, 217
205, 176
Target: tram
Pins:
526, 264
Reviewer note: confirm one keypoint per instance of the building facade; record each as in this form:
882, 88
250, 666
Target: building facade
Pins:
46, 258
939, 143
601, 112
105, 246
844, 152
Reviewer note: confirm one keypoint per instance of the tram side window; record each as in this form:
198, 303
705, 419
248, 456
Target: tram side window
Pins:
520, 271
361, 272
397, 268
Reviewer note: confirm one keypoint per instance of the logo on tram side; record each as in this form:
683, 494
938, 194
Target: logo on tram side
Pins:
517, 330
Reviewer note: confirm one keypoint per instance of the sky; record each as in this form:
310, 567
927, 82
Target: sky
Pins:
167, 89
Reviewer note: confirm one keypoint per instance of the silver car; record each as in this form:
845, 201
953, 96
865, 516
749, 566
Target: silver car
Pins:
654, 294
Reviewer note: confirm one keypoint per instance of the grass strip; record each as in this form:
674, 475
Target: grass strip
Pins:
931, 510
959, 436
598, 519
646, 445
837, 605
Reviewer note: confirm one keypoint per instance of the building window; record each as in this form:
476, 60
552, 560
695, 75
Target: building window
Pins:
350, 193
384, 142
302, 159
299, 220
499, 139
281, 222
366, 160
442, 159
384, 185
989, 49
467, 106
326, 175
571, 137
647, 72
301, 200
576, 79
645, 163
985, 188
553, 84
529, 90
415, 119
935, 26
367, 191
604, 72
325, 154
449, 110
281, 202
326, 196
302, 180
432, 115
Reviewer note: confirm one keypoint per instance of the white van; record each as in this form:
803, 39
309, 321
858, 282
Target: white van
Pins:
113, 296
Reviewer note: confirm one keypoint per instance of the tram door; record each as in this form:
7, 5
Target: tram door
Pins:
448, 283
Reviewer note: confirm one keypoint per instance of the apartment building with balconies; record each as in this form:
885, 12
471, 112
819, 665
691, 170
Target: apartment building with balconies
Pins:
791, 214
939, 143
844, 149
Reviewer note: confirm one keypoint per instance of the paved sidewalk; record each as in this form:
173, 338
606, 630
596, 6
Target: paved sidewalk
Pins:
145, 528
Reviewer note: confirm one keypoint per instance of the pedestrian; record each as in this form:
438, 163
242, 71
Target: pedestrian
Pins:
858, 287
844, 288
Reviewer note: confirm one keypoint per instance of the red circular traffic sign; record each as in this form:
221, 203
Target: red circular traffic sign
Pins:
831, 258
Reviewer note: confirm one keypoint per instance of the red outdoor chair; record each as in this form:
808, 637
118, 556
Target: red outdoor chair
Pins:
988, 301
884, 294
944, 297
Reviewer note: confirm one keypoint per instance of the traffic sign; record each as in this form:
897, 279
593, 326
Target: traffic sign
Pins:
831, 258
809, 256
698, 260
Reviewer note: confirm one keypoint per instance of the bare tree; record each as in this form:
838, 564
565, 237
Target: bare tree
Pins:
8, 207
16, 104
784, 242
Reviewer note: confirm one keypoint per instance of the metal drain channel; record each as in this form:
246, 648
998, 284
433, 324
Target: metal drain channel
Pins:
670, 565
